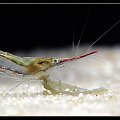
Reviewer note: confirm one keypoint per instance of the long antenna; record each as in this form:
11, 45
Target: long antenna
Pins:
82, 33
73, 44
101, 36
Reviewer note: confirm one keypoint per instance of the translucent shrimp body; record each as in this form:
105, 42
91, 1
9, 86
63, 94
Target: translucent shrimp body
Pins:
29, 68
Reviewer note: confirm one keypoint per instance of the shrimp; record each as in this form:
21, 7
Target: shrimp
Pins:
36, 67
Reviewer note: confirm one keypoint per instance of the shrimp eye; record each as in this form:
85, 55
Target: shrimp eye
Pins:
55, 60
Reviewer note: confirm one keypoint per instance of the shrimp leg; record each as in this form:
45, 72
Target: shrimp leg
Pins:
63, 88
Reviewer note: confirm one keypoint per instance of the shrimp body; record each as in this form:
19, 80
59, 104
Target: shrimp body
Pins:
37, 68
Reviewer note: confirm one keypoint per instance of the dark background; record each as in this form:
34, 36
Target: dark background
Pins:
26, 27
